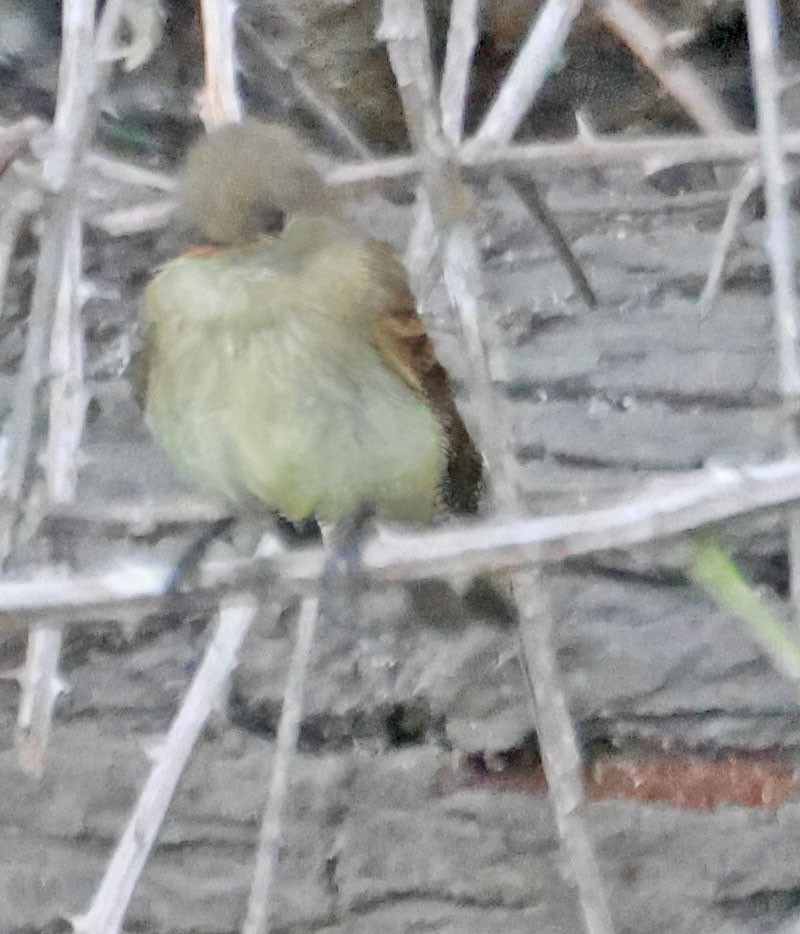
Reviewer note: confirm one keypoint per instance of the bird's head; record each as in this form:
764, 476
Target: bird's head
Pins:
244, 179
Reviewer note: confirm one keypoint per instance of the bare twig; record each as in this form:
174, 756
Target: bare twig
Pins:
762, 20
462, 37
220, 99
141, 218
533, 64
129, 174
660, 511
560, 754
750, 180
106, 913
528, 192
260, 902
404, 29
761, 17
41, 683
308, 94
599, 151
462, 276
80, 77
646, 39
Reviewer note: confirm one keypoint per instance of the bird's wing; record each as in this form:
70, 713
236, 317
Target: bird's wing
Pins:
400, 337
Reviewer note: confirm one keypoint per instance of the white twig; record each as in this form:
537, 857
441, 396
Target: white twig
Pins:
40, 687
220, 99
750, 180
643, 36
762, 27
463, 547
599, 151
259, 906
141, 218
560, 754
41, 683
79, 79
462, 276
128, 173
462, 37
404, 29
762, 21
534, 62
107, 911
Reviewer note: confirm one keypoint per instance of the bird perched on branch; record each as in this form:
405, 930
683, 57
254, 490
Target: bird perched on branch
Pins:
286, 365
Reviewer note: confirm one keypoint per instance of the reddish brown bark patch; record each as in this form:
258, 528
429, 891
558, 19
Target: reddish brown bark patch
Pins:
683, 779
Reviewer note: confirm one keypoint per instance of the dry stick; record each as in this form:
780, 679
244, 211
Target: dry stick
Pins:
660, 510
80, 78
646, 39
40, 681
595, 152
560, 751
61, 252
750, 180
141, 218
309, 95
462, 38
409, 54
762, 22
269, 840
106, 913
220, 103
528, 191
531, 67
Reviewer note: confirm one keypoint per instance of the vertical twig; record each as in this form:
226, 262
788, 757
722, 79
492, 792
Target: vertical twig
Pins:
560, 753
80, 77
259, 906
530, 70
762, 27
107, 911
220, 100
462, 37
40, 681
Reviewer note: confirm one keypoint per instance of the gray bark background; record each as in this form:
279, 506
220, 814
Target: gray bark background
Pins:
388, 830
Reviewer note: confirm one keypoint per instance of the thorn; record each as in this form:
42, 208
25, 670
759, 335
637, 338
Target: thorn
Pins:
586, 131
153, 747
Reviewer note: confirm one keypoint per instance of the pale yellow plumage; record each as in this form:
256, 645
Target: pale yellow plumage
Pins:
267, 382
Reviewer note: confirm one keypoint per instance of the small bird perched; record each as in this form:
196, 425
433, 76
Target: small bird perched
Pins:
291, 371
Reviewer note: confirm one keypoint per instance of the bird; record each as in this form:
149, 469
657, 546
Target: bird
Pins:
286, 368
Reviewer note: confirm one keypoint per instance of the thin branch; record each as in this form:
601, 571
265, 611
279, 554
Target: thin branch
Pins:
269, 840
326, 111
462, 276
404, 29
560, 754
599, 151
141, 218
762, 19
220, 99
660, 511
750, 180
462, 37
528, 192
533, 64
118, 170
107, 911
41, 683
80, 77
646, 39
